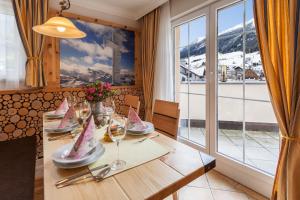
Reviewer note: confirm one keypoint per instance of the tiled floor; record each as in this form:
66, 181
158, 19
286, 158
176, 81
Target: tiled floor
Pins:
261, 148
215, 186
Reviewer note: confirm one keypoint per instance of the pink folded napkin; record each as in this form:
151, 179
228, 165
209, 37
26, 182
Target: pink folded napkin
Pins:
63, 108
85, 142
69, 118
135, 120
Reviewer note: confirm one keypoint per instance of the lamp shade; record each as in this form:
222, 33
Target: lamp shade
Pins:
60, 27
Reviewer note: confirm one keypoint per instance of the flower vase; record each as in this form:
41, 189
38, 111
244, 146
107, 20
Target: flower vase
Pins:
96, 107
97, 111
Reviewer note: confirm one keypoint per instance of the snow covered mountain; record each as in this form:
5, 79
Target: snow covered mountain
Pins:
230, 53
230, 40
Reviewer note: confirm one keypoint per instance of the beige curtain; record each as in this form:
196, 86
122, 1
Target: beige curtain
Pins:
149, 44
28, 14
277, 25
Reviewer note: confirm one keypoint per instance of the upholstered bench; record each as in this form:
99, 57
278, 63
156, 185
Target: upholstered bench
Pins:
17, 168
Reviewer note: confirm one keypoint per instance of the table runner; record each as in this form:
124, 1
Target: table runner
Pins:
133, 152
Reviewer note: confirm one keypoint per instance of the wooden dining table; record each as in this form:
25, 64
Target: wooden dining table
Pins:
153, 180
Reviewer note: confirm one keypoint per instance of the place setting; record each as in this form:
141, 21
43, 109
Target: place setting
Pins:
72, 122
59, 112
137, 126
85, 150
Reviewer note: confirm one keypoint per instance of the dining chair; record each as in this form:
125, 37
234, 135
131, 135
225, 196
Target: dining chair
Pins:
130, 101
166, 117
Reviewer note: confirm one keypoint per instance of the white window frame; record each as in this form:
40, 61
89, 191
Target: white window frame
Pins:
242, 173
188, 18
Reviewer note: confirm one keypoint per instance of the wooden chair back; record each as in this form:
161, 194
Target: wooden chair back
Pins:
166, 117
130, 101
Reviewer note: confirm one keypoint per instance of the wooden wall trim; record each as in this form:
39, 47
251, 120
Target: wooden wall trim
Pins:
98, 21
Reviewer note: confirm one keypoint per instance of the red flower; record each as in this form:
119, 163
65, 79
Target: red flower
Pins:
98, 91
90, 98
91, 90
107, 86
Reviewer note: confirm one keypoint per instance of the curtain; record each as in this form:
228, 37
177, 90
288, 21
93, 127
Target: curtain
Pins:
277, 25
28, 14
149, 45
12, 55
164, 75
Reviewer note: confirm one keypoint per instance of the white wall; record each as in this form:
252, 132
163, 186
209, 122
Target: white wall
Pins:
181, 7
93, 13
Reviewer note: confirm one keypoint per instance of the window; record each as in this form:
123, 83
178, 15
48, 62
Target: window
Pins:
247, 127
190, 56
12, 54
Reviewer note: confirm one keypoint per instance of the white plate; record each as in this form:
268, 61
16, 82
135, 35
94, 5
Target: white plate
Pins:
60, 161
52, 127
91, 160
107, 111
149, 129
52, 115
61, 154
135, 128
59, 130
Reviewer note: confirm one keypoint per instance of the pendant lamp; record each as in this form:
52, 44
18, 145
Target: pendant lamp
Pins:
60, 26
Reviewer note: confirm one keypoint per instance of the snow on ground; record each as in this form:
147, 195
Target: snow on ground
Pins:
231, 60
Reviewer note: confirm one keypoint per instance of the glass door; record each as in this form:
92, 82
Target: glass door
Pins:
246, 125
191, 80
220, 85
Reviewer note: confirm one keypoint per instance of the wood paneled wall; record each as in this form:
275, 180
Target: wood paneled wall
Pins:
21, 112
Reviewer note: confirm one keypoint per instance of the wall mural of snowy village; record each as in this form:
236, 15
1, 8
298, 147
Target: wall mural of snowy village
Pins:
230, 56
105, 54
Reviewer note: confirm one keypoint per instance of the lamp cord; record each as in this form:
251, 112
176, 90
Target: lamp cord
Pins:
64, 5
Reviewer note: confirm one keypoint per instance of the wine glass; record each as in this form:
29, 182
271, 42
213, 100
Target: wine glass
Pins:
83, 112
113, 106
117, 131
110, 106
112, 110
71, 100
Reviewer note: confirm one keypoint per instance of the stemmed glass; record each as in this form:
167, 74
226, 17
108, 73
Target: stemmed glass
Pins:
82, 113
72, 100
113, 106
112, 112
117, 130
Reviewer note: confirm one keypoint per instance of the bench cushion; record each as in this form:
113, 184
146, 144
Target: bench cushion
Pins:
17, 168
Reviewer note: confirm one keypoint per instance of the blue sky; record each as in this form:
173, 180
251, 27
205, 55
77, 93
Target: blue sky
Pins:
94, 49
227, 17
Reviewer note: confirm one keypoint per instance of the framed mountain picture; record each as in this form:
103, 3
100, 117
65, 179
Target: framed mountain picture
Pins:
105, 54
